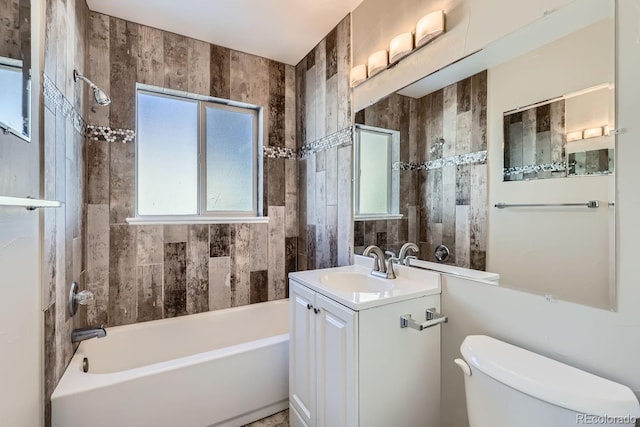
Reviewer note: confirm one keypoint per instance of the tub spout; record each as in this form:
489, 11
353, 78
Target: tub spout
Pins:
82, 334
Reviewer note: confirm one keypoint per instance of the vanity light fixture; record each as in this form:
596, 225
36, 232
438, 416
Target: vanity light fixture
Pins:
377, 62
358, 74
400, 46
429, 27
592, 132
574, 136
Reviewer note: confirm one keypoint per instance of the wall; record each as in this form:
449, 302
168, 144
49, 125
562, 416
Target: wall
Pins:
63, 161
444, 173
599, 341
324, 141
21, 317
146, 272
10, 29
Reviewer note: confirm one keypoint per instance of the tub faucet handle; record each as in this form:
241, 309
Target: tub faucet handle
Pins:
85, 297
77, 297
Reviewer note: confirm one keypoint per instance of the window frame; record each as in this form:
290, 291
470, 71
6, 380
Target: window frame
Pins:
203, 215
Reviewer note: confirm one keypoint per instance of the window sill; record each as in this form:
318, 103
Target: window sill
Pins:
377, 217
198, 220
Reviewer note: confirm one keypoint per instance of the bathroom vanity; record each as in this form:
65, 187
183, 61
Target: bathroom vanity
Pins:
353, 360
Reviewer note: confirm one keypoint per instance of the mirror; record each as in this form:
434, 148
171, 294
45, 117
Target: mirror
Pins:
499, 136
15, 67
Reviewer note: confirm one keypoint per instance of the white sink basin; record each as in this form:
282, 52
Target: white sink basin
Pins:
354, 287
355, 282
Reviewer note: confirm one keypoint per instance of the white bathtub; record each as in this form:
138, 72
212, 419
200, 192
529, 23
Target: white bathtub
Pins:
221, 368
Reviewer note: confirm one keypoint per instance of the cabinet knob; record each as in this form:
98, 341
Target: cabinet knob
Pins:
316, 310
309, 306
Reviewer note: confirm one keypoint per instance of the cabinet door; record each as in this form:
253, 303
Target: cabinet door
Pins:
336, 338
302, 348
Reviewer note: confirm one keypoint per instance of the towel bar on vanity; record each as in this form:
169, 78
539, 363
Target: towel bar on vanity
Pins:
433, 318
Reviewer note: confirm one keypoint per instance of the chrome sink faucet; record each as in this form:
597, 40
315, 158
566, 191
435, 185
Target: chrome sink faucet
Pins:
403, 258
82, 334
380, 267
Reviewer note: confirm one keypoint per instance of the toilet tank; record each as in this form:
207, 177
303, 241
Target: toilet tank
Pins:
508, 386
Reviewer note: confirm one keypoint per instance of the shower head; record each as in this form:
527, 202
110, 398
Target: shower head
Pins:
99, 95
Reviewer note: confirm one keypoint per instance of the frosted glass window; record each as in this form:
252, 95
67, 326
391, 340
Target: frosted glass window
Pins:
231, 137
373, 162
167, 155
11, 98
196, 156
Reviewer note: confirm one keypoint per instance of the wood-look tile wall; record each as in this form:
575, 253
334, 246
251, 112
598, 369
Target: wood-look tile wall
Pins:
395, 112
64, 180
10, 29
446, 205
324, 107
535, 137
148, 272
453, 199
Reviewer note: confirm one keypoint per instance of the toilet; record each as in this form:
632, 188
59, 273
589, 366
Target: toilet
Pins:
508, 386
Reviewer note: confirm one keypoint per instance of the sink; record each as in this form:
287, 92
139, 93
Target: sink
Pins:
358, 282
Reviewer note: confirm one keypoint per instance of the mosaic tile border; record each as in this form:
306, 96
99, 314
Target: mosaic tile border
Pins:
477, 158
107, 134
542, 167
341, 138
279, 152
55, 100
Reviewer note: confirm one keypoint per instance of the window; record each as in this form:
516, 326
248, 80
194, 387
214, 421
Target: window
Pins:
11, 98
196, 156
376, 180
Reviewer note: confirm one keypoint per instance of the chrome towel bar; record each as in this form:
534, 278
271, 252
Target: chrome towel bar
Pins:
433, 318
590, 204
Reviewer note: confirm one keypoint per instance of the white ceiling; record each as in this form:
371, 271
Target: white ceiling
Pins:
283, 30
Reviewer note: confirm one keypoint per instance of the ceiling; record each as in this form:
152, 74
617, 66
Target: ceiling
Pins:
283, 30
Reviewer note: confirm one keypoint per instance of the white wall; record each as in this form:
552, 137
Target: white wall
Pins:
21, 320
573, 243
605, 343
20, 315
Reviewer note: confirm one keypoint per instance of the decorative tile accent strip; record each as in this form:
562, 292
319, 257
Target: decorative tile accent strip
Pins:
543, 167
279, 152
105, 133
55, 100
341, 138
479, 157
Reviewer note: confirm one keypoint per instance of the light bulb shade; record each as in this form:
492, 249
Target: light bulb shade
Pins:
358, 74
574, 136
400, 46
592, 132
429, 27
377, 62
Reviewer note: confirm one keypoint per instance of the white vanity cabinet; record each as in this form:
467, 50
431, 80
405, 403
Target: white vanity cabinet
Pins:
355, 366
322, 360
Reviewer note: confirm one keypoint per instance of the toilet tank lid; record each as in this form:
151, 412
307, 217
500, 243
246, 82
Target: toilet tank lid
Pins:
548, 380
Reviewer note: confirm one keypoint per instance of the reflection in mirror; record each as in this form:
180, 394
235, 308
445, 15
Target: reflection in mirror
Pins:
451, 154
376, 178
15, 67
566, 136
567, 252
442, 168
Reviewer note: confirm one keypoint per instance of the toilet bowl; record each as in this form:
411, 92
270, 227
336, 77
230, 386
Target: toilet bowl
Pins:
508, 386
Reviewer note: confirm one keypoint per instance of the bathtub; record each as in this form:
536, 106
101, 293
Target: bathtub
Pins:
222, 368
